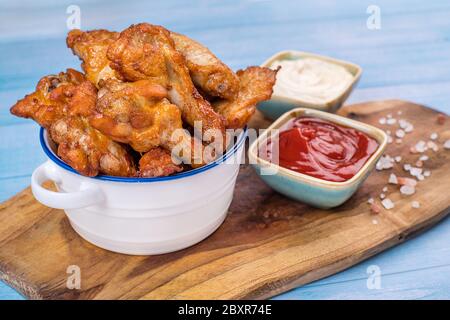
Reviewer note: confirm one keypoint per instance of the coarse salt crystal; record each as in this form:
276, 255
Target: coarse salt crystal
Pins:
393, 179
427, 173
409, 128
403, 123
434, 136
420, 146
385, 162
415, 204
407, 190
385, 189
375, 221
382, 120
407, 167
382, 196
370, 201
423, 157
406, 181
387, 204
400, 133
415, 172
447, 144
433, 146
390, 139
419, 164
391, 121
398, 158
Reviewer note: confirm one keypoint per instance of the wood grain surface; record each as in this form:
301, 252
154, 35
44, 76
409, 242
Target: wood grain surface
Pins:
267, 245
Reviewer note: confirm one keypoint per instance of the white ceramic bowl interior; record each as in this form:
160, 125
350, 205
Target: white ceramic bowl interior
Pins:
141, 216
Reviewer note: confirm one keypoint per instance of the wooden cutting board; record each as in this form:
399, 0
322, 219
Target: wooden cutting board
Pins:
267, 245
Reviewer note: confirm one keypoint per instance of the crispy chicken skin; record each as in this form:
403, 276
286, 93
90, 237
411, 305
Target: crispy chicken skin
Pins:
157, 163
57, 96
138, 113
208, 73
91, 48
255, 85
145, 51
89, 151
61, 104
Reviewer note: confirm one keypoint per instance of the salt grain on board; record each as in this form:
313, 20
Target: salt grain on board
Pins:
398, 158
434, 136
433, 146
409, 128
391, 121
382, 121
407, 190
393, 179
423, 157
387, 204
420, 146
447, 144
370, 201
406, 181
415, 204
399, 133
385, 162
427, 173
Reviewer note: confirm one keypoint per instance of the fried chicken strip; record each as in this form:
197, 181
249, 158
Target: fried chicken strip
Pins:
145, 51
207, 71
61, 104
91, 48
255, 85
157, 163
56, 96
89, 151
138, 113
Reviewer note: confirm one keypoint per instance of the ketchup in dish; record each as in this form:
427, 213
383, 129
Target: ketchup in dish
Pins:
321, 149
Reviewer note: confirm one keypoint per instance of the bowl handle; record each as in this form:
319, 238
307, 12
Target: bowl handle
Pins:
88, 195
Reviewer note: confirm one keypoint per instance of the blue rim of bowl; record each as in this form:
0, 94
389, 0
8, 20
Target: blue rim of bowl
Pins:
52, 156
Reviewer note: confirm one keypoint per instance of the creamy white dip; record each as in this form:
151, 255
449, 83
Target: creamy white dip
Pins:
311, 80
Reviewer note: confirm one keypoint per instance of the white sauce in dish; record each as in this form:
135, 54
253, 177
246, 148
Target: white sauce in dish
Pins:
311, 80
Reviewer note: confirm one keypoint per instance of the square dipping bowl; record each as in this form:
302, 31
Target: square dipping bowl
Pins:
304, 188
280, 104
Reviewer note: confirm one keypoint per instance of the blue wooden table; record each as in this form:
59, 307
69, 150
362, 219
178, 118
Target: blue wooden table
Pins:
407, 57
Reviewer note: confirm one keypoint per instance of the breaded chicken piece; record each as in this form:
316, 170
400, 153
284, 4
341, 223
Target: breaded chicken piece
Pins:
68, 93
89, 151
207, 71
255, 85
61, 104
144, 52
91, 48
138, 113
157, 163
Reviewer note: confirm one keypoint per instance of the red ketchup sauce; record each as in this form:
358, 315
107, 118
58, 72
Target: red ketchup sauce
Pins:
321, 149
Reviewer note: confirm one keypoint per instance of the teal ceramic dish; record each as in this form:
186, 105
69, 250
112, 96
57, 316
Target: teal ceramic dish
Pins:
280, 104
301, 187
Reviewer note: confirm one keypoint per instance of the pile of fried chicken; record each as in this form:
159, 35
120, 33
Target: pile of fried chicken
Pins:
138, 87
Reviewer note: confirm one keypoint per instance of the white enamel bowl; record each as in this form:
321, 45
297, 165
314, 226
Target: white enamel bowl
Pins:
141, 216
